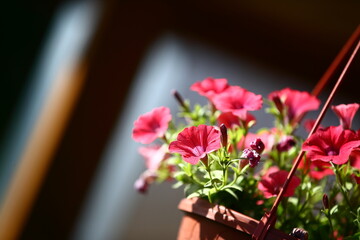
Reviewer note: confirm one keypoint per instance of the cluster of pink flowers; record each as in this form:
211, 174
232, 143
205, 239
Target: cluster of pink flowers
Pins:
194, 143
229, 140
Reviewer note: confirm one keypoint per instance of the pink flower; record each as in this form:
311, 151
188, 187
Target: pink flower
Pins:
267, 137
210, 87
238, 101
296, 102
346, 113
153, 155
231, 121
194, 143
272, 182
144, 181
151, 125
331, 144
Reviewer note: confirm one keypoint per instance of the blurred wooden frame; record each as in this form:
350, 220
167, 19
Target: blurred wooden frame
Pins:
39, 151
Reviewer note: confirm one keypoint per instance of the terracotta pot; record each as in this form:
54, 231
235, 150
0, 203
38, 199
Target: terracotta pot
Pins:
203, 220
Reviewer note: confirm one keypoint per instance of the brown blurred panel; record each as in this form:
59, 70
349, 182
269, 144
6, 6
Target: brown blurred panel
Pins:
43, 142
123, 35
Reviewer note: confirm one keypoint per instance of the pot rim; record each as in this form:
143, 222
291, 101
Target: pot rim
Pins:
227, 217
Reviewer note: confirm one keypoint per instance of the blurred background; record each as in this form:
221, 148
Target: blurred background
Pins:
76, 74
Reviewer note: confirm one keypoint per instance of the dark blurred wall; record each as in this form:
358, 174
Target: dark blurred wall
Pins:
24, 26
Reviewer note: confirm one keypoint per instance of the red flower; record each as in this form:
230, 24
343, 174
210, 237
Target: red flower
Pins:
355, 158
309, 124
210, 87
194, 143
317, 169
346, 113
285, 143
356, 178
296, 102
231, 121
252, 156
272, 182
153, 155
151, 125
331, 144
238, 101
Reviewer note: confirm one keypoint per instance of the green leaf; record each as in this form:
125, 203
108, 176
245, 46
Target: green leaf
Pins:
177, 185
231, 192
208, 184
334, 209
293, 200
187, 169
356, 236
191, 188
233, 187
199, 193
216, 174
236, 170
348, 186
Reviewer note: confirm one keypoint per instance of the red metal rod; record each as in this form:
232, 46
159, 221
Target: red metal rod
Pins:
269, 218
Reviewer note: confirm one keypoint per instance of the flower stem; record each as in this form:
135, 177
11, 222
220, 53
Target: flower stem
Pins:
340, 183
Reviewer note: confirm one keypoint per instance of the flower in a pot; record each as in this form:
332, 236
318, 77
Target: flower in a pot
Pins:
232, 174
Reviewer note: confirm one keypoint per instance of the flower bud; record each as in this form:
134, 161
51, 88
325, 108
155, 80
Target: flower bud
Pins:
243, 163
279, 105
285, 144
257, 145
224, 136
300, 234
205, 160
141, 185
179, 99
325, 201
252, 156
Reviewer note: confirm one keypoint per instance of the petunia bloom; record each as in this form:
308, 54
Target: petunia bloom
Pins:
238, 101
285, 143
231, 121
153, 156
346, 113
309, 124
296, 102
151, 125
273, 180
267, 137
331, 144
316, 169
209, 87
194, 143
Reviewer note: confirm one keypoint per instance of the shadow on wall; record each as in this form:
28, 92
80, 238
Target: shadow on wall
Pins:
114, 210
